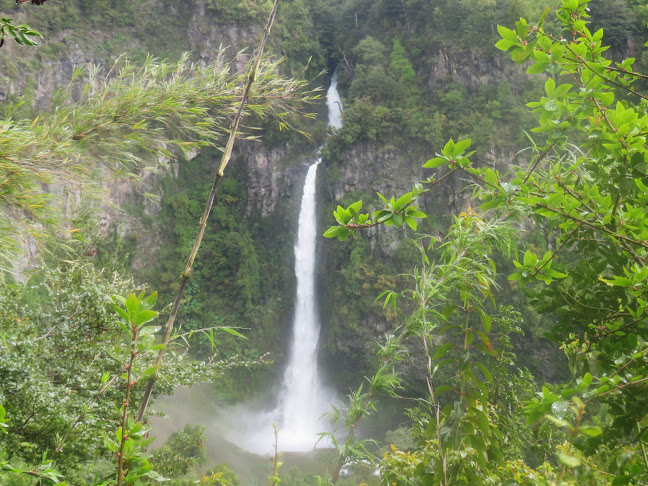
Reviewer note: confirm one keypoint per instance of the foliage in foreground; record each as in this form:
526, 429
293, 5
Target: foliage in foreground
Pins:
70, 364
118, 122
586, 188
135, 119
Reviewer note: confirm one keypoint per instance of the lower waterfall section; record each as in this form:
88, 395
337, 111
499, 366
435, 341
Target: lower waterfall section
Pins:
303, 398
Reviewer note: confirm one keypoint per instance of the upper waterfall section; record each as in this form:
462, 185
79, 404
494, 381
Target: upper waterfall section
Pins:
334, 104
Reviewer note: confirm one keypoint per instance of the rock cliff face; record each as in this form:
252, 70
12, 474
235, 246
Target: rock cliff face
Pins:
471, 68
366, 168
49, 66
270, 176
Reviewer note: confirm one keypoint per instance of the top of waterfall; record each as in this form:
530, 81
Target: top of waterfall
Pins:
333, 103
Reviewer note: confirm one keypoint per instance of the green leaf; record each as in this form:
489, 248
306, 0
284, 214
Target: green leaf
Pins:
148, 372
591, 430
606, 97
530, 259
486, 320
507, 33
550, 86
435, 162
231, 331
562, 90
403, 201
411, 223
342, 215
622, 480
132, 305
641, 186
442, 350
121, 312
461, 147
149, 301
356, 206
491, 177
142, 317
344, 234
569, 461
537, 68
555, 274
333, 231
543, 16
442, 389
447, 150
479, 445
414, 213
505, 44
149, 330
485, 371
551, 105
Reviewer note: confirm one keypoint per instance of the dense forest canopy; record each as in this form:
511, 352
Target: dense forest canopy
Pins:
508, 241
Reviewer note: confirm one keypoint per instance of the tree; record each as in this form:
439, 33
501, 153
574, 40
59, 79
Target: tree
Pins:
61, 363
401, 66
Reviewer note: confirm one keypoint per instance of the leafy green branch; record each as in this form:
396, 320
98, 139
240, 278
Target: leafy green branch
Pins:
45, 471
399, 211
21, 33
130, 448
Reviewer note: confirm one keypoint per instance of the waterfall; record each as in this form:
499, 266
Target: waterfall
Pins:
334, 104
303, 398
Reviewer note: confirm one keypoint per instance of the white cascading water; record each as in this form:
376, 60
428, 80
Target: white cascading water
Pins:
303, 398
334, 104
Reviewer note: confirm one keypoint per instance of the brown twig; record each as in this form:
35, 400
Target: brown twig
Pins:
537, 161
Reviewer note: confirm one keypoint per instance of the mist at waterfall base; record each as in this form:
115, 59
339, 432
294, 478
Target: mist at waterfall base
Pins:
304, 401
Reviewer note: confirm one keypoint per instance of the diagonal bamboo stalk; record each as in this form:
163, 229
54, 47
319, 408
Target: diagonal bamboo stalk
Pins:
227, 154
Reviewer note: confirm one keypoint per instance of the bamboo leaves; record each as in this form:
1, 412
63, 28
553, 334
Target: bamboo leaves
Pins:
132, 120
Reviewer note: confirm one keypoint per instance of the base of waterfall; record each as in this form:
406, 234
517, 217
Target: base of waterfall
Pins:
243, 426
198, 406
252, 429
